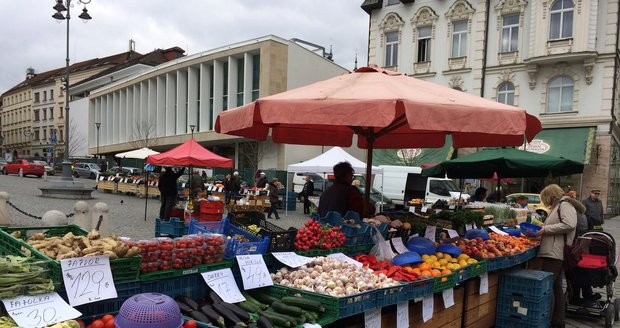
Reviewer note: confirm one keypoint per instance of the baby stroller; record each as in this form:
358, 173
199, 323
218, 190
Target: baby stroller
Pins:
596, 268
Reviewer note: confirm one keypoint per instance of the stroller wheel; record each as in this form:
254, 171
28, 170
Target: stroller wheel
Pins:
617, 308
610, 315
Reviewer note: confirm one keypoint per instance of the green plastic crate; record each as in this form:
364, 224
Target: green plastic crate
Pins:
163, 274
123, 269
444, 282
321, 252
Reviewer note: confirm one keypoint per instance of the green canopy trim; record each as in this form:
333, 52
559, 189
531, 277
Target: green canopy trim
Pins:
571, 143
413, 156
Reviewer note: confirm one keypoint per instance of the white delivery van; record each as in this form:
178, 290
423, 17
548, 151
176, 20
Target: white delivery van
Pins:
403, 183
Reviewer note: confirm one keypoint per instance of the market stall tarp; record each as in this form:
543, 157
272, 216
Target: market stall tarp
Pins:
190, 153
505, 163
414, 156
326, 161
141, 153
384, 109
554, 142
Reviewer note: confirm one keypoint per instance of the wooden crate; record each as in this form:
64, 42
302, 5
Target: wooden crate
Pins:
128, 188
442, 317
106, 186
479, 310
153, 191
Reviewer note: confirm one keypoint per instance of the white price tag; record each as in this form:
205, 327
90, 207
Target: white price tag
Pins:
88, 279
452, 233
498, 231
484, 283
424, 209
291, 259
39, 311
448, 297
223, 284
412, 209
400, 248
209, 188
402, 315
430, 232
372, 318
468, 226
311, 325
427, 307
342, 257
254, 273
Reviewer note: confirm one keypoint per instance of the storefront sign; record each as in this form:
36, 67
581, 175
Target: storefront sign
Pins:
88, 279
537, 146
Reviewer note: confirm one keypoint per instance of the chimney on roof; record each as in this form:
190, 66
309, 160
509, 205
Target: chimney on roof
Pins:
132, 45
30, 73
173, 53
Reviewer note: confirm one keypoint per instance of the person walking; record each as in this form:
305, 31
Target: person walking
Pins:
274, 199
168, 189
594, 210
307, 191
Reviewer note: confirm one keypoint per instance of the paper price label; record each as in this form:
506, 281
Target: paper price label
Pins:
448, 297
342, 257
402, 315
291, 259
424, 209
498, 231
412, 209
399, 246
223, 284
468, 226
427, 308
452, 233
484, 283
430, 232
88, 279
39, 311
254, 273
372, 318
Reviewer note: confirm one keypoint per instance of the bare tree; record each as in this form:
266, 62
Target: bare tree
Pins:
407, 156
76, 139
144, 134
251, 154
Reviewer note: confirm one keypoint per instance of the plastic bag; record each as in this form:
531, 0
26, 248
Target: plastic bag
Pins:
382, 249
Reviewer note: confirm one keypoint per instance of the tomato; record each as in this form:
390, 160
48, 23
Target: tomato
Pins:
190, 324
81, 323
109, 324
107, 317
97, 324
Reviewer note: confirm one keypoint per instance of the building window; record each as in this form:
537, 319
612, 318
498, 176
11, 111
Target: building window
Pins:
240, 81
255, 76
459, 39
561, 20
44, 95
510, 33
44, 134
36, 97
560, 94
44, 114
36, 115
36, 135
51, 94
424, 43
61, 136
506, 93
225, 88
61, 112
391, 49
51, 113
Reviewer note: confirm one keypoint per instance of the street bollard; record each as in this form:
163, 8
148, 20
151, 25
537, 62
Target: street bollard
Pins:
101, 209
5, 214
80, 217
54, 218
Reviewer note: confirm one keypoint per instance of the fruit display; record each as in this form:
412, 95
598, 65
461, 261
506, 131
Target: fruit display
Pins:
416, 201
23, 276
312, 235
496, 246
180, 253
332, 277
440, 264
396, 272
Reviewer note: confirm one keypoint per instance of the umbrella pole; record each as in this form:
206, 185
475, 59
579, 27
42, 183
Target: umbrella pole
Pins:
368, 173
146, 189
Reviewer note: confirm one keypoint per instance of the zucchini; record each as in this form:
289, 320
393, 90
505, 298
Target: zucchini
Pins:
264, 322
213, 315
189, 301
185, 309
280, 307
275, 319
292, 320
244, 316
249, 306
231, 318
251, 299
304, 303
264, 298
197, 315
309, 317
214, 297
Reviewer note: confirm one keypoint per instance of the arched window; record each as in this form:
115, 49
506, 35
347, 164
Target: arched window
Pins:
506, 93
560, 94
561, 19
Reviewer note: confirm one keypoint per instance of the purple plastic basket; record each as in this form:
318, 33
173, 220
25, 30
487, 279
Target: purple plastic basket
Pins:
149, 310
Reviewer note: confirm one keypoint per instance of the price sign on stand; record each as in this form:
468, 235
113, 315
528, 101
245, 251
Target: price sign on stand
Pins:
402, 315
372, 318
484, 283
468, 226
223, 284
254, 273
88, 279
291, 259
342, 257
39, 311
498, 231
448, 297
424, 209
452, 233
430, 232
427, 307
399, 246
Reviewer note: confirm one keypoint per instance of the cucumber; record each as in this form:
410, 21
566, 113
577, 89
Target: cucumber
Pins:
197, 315
243, 315
189, 301
251, 299
264, 322
248, 306
264, 298
280, 307
304, 303
231, 318
294, 321
275, 319
213, 315
309, 317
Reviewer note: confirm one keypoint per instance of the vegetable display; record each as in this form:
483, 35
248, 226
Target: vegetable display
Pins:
396, 272
23, 276
180, 253
313, 235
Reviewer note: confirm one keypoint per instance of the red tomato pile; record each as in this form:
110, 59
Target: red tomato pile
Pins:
180, 253
107, 321
313, 235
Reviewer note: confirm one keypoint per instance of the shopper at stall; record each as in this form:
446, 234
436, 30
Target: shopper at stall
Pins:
558, 230
262, 181
197, 185
306, 192
227, 188
479, 195
274, 199
341, 196
594, 210
582, 220
168, 189
235, 185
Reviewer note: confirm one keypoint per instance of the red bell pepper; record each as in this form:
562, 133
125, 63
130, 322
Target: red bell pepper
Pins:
392, 270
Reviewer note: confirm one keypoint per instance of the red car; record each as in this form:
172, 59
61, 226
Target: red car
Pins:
25, 167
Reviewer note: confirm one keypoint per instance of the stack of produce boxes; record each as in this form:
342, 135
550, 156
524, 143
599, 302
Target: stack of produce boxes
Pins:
524, 299
479, 310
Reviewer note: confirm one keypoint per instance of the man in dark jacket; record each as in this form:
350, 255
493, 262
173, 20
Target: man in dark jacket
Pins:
341, 196
307, 191
594, 210
262, 181
168, 189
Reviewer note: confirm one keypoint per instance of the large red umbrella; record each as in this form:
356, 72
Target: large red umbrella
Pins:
384, 109
190, 153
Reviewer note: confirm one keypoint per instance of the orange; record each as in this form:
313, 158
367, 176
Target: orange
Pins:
424, 266
426, 273
417, 271
435, 273
444, 279
445, 271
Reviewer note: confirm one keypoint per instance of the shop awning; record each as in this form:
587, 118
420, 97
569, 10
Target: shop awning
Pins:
570, 143
414, 156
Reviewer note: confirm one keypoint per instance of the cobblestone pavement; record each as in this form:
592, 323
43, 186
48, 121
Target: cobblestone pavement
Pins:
127, 218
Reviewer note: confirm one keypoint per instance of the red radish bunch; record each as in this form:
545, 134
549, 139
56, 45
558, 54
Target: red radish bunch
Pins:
312, 235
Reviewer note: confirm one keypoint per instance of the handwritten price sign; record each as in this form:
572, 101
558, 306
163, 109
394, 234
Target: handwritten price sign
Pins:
223, 284
39, 311
254, 273
88, 279
291, 259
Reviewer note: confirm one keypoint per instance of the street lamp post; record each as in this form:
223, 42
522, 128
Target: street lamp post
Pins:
98, 125
191, 169
60, 7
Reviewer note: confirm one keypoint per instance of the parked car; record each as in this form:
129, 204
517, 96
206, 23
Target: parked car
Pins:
2, 164
127, 171
90, 170
533, 203
25, 167
48, 169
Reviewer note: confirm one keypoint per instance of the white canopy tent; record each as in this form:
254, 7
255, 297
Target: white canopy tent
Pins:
141, 153
326, 161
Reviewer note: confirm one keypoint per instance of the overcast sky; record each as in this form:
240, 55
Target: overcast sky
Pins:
30, 37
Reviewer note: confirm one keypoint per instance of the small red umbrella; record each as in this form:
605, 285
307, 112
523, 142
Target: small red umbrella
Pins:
384, 109
190, 153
